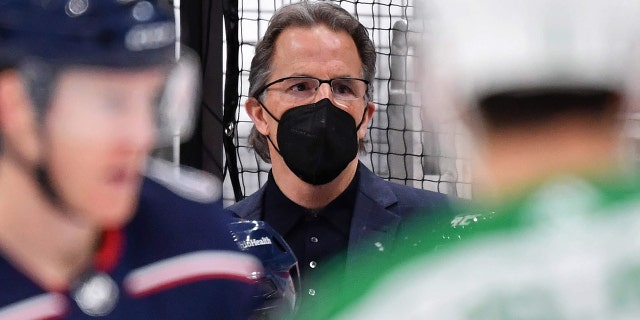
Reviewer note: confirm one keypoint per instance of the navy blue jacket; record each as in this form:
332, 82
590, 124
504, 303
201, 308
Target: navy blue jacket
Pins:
380, 210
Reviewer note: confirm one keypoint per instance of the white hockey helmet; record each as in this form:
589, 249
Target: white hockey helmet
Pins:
473, 49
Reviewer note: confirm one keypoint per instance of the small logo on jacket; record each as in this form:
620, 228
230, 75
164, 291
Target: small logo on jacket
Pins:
254, 243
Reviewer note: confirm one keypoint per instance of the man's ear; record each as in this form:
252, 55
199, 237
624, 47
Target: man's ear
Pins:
15, 109
18, 123
257, 115
368, 115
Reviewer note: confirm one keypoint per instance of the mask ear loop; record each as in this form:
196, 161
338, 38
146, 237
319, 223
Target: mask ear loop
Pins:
366, 106
274, 118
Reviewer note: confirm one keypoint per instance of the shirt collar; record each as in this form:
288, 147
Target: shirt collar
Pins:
283, 214
280, 212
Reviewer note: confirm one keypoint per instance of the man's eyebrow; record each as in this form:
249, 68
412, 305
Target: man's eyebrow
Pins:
310, 76
300, 75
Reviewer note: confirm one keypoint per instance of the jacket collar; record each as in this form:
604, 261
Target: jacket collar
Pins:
373, 226
250, 208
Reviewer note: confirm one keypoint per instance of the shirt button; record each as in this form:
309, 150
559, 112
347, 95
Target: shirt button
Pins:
312, 264
312, 292
314, 239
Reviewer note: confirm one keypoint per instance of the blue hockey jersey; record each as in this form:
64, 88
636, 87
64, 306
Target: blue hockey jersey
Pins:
176, 259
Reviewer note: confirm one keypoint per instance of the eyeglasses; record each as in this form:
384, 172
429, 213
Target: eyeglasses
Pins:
301, 89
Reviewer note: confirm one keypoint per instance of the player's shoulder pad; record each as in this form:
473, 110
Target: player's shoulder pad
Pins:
189, 183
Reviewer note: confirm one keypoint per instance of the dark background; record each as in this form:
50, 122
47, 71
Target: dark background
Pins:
202, 27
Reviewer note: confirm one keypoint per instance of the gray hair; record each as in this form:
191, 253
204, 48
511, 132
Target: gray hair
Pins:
306, 14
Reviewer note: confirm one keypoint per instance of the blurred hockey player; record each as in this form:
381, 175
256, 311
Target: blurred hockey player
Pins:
543, 87
88, 226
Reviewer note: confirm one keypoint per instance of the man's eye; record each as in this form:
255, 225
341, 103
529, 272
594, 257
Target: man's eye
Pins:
300, 86
343, 88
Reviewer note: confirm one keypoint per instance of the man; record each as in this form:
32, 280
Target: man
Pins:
310, 101
84, 88
542, 87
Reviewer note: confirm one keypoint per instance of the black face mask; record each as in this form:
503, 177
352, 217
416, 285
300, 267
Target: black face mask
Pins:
317, 141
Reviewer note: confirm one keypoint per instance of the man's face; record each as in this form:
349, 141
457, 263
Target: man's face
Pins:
98, 131
317, 52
